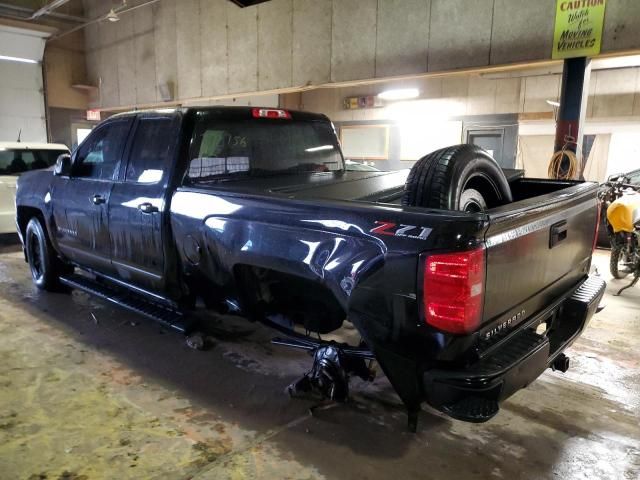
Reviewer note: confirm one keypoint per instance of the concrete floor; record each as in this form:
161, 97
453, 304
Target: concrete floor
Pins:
89, 391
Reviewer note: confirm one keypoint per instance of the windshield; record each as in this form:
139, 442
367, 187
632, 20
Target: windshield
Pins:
222, 149
15, 162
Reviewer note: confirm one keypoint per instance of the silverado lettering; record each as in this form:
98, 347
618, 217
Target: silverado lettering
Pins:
515, 319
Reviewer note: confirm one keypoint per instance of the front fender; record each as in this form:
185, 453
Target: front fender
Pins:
33, 193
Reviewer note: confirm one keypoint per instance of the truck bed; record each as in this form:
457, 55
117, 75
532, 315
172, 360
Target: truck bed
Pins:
524, 270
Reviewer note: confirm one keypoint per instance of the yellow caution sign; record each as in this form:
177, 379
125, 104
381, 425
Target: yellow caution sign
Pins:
578, 29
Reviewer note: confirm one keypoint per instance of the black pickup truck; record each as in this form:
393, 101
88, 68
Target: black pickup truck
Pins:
252, 211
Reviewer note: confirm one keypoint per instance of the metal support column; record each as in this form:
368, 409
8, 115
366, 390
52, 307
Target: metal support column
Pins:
567, 161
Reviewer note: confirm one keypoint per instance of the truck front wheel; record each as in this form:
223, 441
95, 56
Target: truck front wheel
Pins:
43, 262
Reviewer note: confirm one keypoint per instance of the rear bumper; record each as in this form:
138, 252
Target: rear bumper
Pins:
473, 393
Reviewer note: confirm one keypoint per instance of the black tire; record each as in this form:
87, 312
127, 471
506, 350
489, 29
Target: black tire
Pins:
471, 200
614, 263
44, 265
461, 177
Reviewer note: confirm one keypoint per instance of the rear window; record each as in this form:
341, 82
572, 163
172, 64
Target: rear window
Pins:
223, 149
15, 162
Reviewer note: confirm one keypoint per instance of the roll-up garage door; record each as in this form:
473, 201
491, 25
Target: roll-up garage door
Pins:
22, 105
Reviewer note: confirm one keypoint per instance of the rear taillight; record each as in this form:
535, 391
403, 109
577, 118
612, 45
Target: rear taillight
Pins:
453, 289
270, 113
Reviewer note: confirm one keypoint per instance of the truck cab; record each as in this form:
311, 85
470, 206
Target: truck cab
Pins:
106, 205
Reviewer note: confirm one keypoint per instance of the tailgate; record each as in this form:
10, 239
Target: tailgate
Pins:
537, 249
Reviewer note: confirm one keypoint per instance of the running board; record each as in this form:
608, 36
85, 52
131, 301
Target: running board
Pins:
171, 318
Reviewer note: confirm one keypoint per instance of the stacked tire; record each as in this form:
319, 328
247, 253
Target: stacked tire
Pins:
462, 177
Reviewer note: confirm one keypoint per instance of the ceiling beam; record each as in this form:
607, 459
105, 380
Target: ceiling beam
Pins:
22, 13
48, 8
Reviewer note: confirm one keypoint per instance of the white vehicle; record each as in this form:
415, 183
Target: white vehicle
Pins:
16, 158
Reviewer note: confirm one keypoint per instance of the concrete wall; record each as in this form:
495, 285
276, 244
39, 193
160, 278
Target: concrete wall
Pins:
65, 66
612, 94
206, 48
446, 104
62, 123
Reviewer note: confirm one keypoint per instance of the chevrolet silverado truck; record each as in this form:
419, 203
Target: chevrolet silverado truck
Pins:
463, 282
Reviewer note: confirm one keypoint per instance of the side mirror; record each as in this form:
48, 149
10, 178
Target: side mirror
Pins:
63, 165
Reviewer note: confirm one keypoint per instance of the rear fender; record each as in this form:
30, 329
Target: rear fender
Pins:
352, 267
337, 261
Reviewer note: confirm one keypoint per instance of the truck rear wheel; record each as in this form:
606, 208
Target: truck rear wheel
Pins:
463, 177
44, 264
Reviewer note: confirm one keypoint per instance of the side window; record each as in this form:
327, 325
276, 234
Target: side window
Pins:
99, 155
151, 151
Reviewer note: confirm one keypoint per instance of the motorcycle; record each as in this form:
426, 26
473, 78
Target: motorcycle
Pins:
621, 202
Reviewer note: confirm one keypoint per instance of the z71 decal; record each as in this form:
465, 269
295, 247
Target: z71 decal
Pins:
395, 230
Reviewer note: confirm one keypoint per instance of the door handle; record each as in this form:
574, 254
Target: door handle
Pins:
558, 233
98, 199
147, 207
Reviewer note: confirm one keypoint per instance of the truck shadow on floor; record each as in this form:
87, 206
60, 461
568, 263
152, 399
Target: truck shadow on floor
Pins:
9, 242
242, 378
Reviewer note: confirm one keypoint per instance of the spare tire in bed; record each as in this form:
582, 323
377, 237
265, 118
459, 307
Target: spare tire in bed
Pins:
462, 177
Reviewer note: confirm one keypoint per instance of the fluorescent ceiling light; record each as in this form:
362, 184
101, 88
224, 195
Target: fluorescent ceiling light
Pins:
17, 59
399, 94
624, 61
317, 149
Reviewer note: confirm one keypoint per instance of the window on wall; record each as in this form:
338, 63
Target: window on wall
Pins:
624, 152
365, 142
418, 138
82, 133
